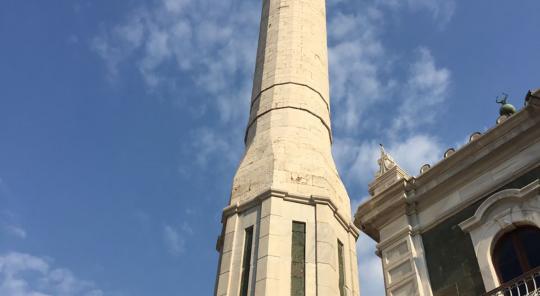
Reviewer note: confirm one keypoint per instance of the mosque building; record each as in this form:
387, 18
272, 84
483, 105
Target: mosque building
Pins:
466, 225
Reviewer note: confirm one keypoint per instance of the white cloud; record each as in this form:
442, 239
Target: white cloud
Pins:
358, 159
363, 69
27, 275
175, 242
181, 42
357, 58
15, 230
441, 10
416, 151
369, 267
175, 6
210, 144
208, 46
176, 238
426, 89
8, 220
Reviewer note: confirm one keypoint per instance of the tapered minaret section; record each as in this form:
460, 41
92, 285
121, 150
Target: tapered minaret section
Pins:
288, 227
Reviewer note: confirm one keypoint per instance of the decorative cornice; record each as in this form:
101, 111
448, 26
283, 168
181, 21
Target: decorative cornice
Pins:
526, 192
313, 200
386, 179
382, 209
473, 152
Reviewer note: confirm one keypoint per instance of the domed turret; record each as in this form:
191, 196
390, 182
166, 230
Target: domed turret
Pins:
507, 109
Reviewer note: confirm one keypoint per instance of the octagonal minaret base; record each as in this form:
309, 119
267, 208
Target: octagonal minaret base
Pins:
288, 227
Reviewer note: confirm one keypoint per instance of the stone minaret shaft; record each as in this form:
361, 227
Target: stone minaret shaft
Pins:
287, 177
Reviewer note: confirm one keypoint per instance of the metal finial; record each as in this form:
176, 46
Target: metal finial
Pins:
502, 99
506, 108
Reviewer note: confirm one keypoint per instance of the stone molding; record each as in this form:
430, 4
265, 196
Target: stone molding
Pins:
512, 195
418, 194
240, 207
500, 213
387, 179
383, 208
522, 125
254, 120
258, 96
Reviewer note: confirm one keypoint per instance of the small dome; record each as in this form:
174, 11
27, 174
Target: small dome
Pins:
507, 109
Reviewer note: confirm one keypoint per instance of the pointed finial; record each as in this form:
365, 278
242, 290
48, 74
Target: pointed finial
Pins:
385, 162
502, 99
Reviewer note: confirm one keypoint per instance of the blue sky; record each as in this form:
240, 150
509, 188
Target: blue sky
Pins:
121, 123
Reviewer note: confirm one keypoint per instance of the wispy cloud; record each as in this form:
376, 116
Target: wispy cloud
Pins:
203, 44
364, 78
357, 159
440, 10
176, 238
10, 224
370, 267
426, 89
176, 243
209, 47
27, 275
362, 73
358, 61
210, 143
14, 230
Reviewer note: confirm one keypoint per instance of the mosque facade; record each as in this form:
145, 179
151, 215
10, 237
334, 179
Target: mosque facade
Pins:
468, 225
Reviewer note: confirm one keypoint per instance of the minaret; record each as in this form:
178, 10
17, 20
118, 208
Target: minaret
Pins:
288, 227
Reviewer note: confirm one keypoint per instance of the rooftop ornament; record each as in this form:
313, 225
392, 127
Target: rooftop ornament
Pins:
506, 108
386, 162
425, 168
532, 94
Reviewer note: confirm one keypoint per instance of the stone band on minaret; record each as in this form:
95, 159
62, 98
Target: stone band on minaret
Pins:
287, 229
292, 60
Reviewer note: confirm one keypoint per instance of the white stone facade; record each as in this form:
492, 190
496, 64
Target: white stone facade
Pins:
500, 213
403, 209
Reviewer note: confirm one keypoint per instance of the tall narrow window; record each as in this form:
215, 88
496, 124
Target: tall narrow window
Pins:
298, 259
246, 262
341, 269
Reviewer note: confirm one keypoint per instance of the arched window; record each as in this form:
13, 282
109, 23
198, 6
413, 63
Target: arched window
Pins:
517, 252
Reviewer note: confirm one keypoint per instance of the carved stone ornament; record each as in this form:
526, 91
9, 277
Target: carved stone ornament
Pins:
386, 162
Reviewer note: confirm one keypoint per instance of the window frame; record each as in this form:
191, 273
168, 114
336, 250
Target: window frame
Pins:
294, 263
518, 247
246, 261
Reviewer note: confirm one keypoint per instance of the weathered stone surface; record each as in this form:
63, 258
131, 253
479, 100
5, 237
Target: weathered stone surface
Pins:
288, 139
287, 176
451, 259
